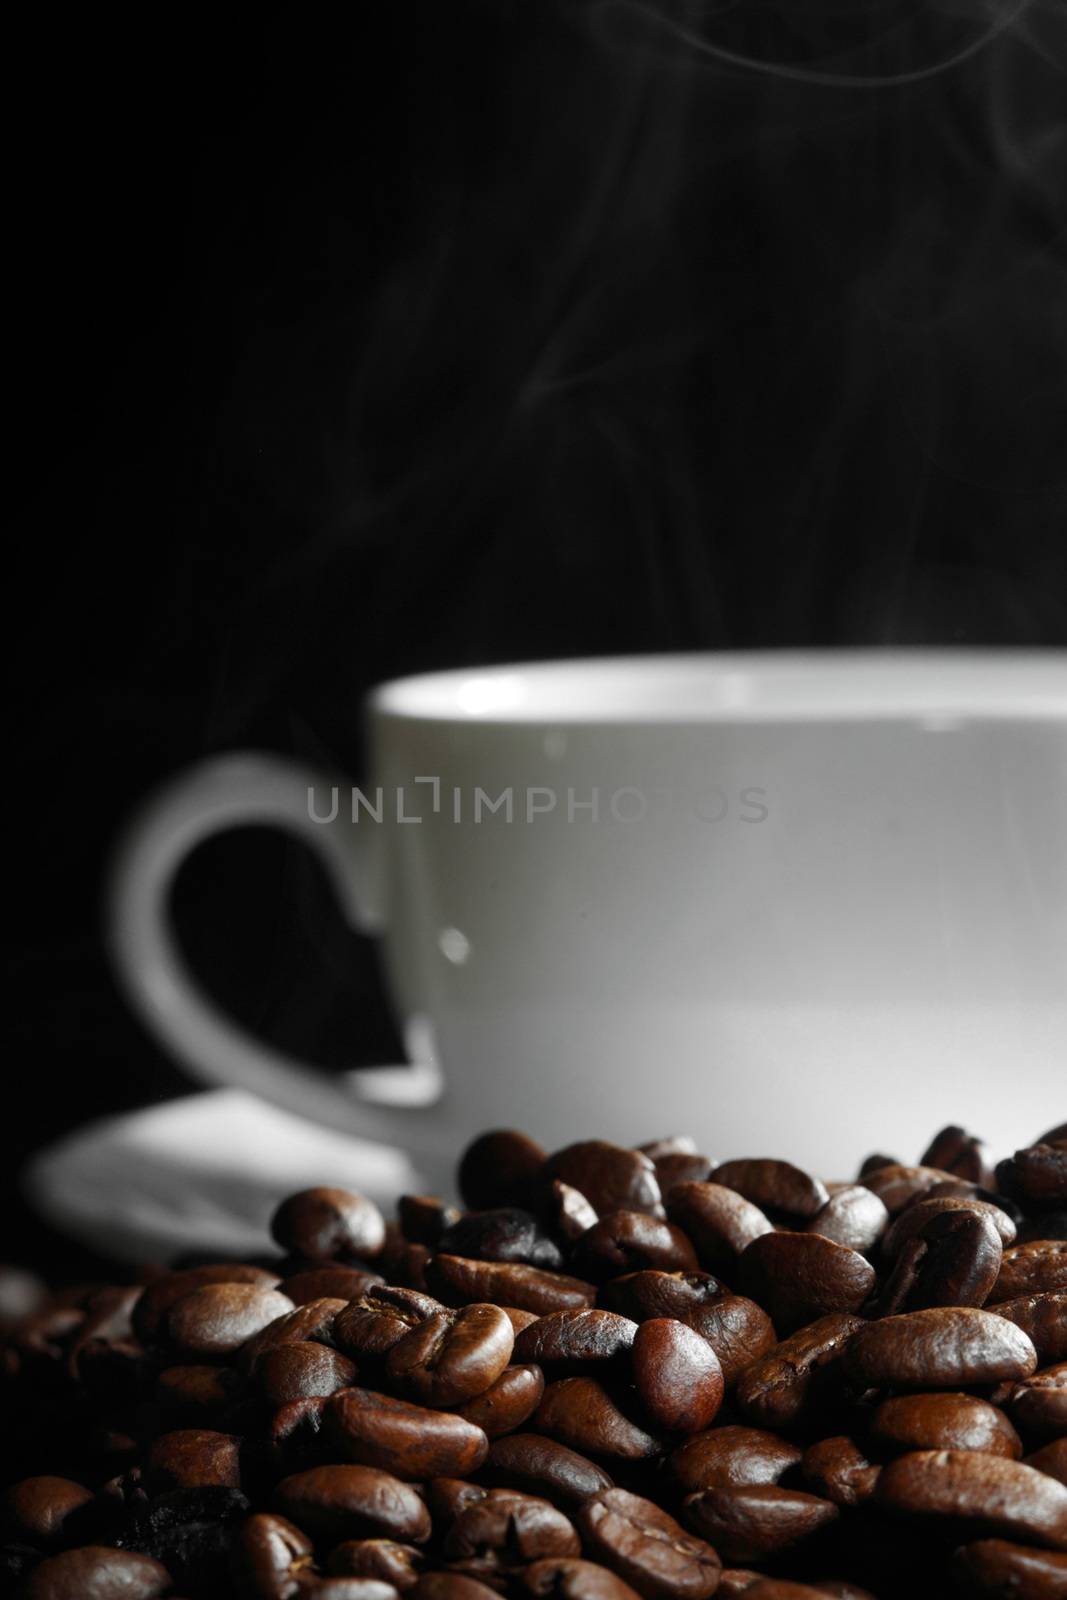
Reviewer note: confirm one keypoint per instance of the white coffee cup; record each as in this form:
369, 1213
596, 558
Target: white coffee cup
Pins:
792, 903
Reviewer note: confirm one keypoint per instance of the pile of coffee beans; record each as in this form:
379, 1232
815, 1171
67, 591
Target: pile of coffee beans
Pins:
618, 1374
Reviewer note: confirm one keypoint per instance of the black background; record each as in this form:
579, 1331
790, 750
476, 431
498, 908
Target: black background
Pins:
480, 331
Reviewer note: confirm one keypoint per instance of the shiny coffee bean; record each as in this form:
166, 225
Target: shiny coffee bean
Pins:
1001, 1497
329, 1283
423, 1218
914, 1218
945, 1347
753, 1522
582, 1414
450, 1586
312, 1322
573, 1579
295, 1436
199, 1392
219, 1318
447, 1497
897, 1186
35, 1509
506, 1234
575, 1339
459, 1281
719, 1221
785, 1386
995, 1567
97, 1573
514, 1527
499, 1169
677, 1376
368, 1328
541, 1465
1051, 1459
299, 1370
730, 1456
631, 1241
837, 1469
269, 1553
953, 1260
611, 1177
853, 1216
943, 1422
955, 1150
1036, 1268
329, 1224
150, 1312
453, 1356
1038, 1405
507, 1403
680, 1167
737, 1329
1043, 1318
193, 1458
799, 1277
647, 1548
775, 1186
385, 1559
566, 1211
960, 1189
408, 1440
346, 1502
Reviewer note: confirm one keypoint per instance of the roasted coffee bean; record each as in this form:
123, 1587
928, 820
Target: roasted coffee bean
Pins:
737, 1329
785, 1385
367, 1329
507, 1403
955, 1150
1038, 1405
218, 1318
647, 1548
786, 1589
312, 1322
452, 1357
734, 1581
943, 1348
36, 1509
611, 1177
540, 1465
450, 1586
582, 1414
515, 1527
799, 1277
407, 1440
575, 1339
296, 1371
424, 1217
752, 1522
1036, 1268
566, 1211
677, 1376
719, 1221
631, 1241
193, 1458
726, 1457
347, 1502
995, 1567
960, 1189
775, 1186
447, 1497
853, 1216
1037, 1176
199, 1391
97, 1573
459, 1282
680, 1166
499, 1169
149, 1314
953, 1260
837, 1470
1043, 1318
520, 1320
1051, 1458
897, 1186
507, 1234
344, 1589
295, 1438
384, 1559
572, 1579
402, 1262
269, 1554
329, 1283
1003, 1497
943, 1422
329, 1224
914, 1218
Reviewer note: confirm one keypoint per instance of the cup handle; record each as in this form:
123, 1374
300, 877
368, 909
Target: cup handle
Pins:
229, 792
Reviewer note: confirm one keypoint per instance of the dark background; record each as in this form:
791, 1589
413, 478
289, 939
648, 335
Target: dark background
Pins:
480, 330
